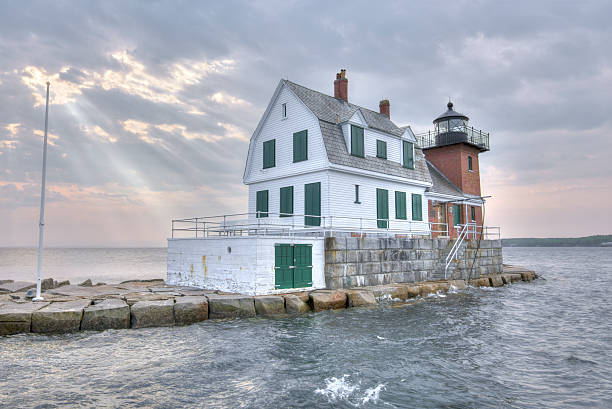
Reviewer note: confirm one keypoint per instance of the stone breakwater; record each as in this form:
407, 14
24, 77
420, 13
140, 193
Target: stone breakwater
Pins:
141, 304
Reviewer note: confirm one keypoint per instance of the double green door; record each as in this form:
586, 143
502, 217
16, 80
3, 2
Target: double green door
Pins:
293, 265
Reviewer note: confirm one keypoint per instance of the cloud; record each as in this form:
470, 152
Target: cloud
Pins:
221, 98
97, 131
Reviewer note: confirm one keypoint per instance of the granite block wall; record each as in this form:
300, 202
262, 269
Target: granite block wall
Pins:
358, 262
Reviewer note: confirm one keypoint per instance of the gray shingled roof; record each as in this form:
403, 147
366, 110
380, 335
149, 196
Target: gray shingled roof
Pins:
337, 153
326, 108
441, 184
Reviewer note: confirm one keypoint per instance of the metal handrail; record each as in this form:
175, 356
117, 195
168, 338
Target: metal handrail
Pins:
456, 246
462, 133
251, 224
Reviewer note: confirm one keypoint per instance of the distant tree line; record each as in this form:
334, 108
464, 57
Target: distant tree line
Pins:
589, 241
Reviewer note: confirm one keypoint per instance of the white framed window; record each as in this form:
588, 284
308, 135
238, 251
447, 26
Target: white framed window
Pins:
284, 111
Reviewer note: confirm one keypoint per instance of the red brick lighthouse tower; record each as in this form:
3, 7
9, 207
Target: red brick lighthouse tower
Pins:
453, 148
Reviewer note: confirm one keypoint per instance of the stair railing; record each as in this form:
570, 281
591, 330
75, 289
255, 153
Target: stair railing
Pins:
456, 246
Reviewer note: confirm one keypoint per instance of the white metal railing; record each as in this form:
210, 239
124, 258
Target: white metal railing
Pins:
475, 231
268, 223
463, 232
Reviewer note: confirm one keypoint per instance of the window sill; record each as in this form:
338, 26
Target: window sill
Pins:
300, 160
358, 156
356, 202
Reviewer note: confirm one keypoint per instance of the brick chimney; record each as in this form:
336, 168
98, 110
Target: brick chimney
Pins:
341, 86
384, 107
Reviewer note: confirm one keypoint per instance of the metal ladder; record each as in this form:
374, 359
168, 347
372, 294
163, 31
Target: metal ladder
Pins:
452, 255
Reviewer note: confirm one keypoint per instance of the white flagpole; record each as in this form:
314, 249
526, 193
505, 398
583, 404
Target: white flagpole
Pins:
41, 224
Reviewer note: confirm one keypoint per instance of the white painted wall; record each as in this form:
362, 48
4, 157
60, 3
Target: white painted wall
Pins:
275, 127
342, 200
247, 269
298, 182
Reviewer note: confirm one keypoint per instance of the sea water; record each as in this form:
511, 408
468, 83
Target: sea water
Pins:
545, 343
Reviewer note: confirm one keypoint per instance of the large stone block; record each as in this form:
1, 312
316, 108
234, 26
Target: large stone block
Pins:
59, 317
328, 300
369, 244
352, 243
295, 305
395, 292
230, 306
111, 313
458, 284
360, 298
17, 318
190, 309
153, 314
496, 281
16, 286
270, 305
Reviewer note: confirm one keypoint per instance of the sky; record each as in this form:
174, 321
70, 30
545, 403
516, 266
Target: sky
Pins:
153, 104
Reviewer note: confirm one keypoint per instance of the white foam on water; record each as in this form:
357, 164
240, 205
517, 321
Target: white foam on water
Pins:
437, 294
452, 289
337, 389
372, 394
381, 338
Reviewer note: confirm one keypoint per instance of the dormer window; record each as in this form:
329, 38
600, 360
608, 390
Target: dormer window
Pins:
357, 145
284, 111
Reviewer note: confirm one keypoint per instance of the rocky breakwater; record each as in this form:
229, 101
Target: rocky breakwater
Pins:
141, 304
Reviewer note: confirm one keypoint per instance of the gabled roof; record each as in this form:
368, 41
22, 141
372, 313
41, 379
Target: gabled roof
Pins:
332, 112
335, 110
441, 184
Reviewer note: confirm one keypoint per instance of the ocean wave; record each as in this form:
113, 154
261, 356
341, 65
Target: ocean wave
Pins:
341, 389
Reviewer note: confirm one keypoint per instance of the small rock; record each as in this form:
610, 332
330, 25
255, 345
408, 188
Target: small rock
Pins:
62, 283
152, 314
99, 284
480, 282
295, 305
31, 293
190, 309
394, 291
47, 284
270, 305
361, 298
328, 300
516, 277
86, 283
15, 296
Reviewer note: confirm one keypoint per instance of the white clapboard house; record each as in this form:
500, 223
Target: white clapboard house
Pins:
320, 166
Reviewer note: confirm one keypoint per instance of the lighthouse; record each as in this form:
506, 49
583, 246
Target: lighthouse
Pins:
452, 151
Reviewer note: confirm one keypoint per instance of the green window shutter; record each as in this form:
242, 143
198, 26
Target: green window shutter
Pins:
312, 204
400, 205
300, 146
382, 208
286, 201
456, 214
261, 205
417, 207
470, 163
381, 149
269, 154
408, 155
357, 143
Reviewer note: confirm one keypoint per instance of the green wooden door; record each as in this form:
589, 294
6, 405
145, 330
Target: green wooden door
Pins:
292, 265
456, 215
312, 204
302, 273
283, 265
382, 208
